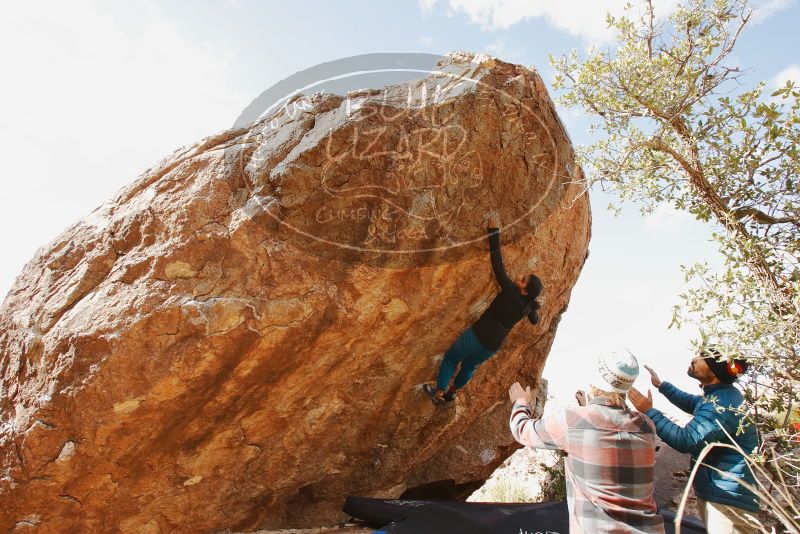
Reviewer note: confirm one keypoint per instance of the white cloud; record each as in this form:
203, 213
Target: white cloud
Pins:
791, 72
763, 9
426, 5
583, 19
91, 98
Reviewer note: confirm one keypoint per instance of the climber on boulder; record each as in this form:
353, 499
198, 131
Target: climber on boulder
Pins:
484, 338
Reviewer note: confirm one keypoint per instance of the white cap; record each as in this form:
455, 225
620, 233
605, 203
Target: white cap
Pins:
615, 371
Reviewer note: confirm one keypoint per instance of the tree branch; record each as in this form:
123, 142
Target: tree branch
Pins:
761, 217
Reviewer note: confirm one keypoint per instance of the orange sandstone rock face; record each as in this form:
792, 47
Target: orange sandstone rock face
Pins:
238, 339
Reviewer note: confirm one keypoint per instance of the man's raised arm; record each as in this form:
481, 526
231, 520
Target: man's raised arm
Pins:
685, 401
548, 433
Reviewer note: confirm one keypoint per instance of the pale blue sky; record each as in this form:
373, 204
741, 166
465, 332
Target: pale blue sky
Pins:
95, 93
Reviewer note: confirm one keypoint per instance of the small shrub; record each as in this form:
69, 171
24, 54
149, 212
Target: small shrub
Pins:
505, 490
554, 484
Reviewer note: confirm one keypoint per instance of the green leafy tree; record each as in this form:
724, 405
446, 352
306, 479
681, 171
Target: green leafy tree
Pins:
680, 128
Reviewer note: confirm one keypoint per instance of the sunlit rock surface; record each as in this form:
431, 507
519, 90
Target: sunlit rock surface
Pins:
237, 340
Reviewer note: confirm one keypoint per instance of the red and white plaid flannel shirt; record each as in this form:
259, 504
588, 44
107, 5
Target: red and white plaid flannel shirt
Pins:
609, 465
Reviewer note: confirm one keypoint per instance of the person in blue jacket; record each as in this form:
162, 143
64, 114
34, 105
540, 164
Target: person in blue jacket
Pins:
478, 343
721, 500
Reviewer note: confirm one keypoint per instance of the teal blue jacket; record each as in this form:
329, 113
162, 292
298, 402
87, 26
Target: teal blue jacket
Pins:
702, 429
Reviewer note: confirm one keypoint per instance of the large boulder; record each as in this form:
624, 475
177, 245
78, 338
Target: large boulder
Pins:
238, 339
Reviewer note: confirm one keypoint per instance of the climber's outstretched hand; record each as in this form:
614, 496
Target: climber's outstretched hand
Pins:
492, 219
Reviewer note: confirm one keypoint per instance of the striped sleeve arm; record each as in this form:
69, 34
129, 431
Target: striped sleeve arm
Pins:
547, 433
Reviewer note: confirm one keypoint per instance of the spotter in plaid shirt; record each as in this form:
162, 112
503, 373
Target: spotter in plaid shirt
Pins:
609, 465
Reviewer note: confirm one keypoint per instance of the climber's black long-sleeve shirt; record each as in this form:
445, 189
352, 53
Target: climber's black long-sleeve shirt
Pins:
507, 308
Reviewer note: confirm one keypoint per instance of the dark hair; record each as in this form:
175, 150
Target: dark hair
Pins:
534, 286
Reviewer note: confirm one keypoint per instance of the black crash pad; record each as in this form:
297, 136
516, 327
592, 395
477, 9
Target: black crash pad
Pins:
399, 516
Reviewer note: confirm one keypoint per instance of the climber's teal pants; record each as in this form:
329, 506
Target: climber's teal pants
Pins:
466, 350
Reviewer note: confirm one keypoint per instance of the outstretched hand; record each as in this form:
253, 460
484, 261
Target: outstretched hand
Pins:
515, 393
639, 401
653, 377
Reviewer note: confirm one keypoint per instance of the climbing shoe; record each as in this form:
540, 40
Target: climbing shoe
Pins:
430, 390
